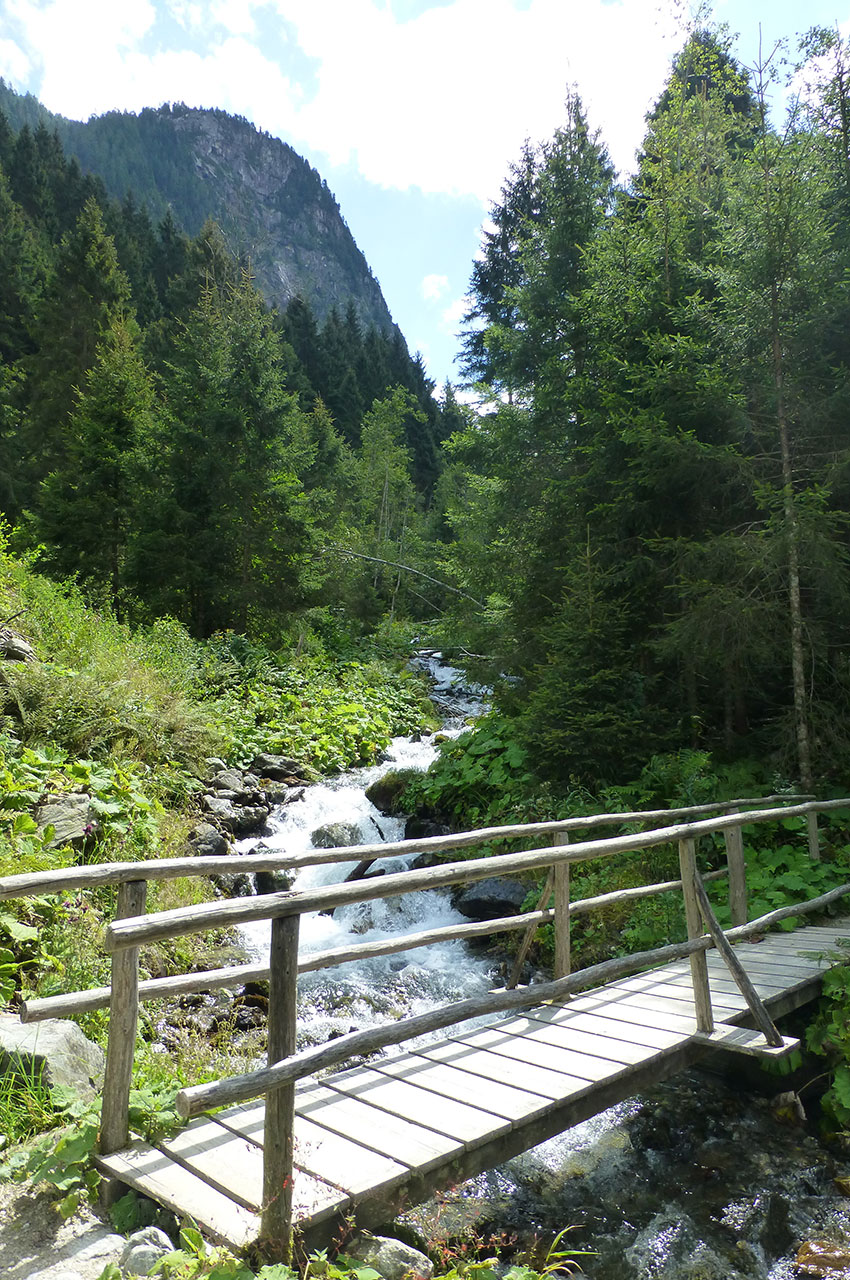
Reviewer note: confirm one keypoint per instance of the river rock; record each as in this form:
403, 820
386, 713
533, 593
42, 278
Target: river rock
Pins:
393, 1259
423, 829
385, 792
14, 648
278, 768
206, 841
72, 817
238, 819
275, 881
143, 1250
336, 835
491, 899
823, 1258
238, 885
55, 1050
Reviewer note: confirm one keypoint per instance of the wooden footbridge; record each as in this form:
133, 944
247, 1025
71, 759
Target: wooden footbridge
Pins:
365, 1140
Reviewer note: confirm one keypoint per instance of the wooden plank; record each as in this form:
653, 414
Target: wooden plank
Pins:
198, 919
676, 998
221, 1158
693, 918
233, 1163
446, 1116
641, 1011
123, 1024
503, 1100
745, 1040
326, 1156
737, 874
551, 1085
155, 1175
388, 1135
758, 1012
39, 882
682, 993
598, 1023
555, 1058
278, 1182
562, 915
595, 1043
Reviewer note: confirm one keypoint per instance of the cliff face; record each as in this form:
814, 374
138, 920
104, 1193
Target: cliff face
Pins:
272, 206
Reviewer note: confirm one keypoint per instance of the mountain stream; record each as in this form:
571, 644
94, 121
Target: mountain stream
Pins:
695, 1180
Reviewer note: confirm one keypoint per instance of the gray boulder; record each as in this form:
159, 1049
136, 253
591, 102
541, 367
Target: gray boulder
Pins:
14, 648
385, 792
55, 1050
491, 899
72, 817
143, 1250
278, 768
275, 881
206, 841
393, 1259
238, 819
336, 835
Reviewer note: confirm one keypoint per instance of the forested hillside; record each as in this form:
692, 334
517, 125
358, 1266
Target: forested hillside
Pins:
655, 504
644, 529
270, 203
174, 444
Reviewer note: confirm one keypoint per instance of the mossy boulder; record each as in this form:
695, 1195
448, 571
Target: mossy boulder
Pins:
386, 793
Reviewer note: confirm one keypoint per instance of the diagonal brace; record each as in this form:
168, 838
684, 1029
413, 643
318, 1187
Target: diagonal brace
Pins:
763, 1019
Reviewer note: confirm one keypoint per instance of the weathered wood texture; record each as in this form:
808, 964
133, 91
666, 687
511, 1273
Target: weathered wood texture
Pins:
194, 919
213, 979
195, 1099
562, 915
693, 918
280, 1103
734, 838
369, 1138
33, 883
123, 1019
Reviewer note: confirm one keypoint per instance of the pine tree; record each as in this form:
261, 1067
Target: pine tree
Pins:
87, 509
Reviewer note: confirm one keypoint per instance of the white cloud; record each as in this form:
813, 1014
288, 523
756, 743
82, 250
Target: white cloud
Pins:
450, 320
503, 76
15, 65
433, 287
442, 101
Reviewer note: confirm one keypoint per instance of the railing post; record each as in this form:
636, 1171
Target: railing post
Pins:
276, 1228
813, 835
693, 916
734, 838
123, 1019
562, 914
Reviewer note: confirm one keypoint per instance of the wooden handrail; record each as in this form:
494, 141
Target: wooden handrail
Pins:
75, 1002
193, 1100
197, 919
34, 883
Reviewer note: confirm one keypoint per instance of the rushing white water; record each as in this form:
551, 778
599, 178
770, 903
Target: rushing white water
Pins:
369, 992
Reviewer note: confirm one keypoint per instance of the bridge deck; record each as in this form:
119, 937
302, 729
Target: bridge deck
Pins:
386, 1134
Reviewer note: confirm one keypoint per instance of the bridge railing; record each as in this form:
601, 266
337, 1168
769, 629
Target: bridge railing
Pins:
133, 927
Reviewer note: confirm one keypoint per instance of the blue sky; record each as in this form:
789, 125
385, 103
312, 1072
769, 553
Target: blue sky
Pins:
411, 109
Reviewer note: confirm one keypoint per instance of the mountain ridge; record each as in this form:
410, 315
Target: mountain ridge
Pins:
273, 207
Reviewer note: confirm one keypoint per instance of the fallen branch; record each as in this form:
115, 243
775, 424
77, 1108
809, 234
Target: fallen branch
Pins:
394, 564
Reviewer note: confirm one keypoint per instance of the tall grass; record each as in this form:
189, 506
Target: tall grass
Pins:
100, 688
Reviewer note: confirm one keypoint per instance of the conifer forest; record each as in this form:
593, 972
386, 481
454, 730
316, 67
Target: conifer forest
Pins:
639, 534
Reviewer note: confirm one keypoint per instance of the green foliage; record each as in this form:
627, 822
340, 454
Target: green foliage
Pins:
62, 1161
329, 715
829, 1036
779, 872
478, 778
